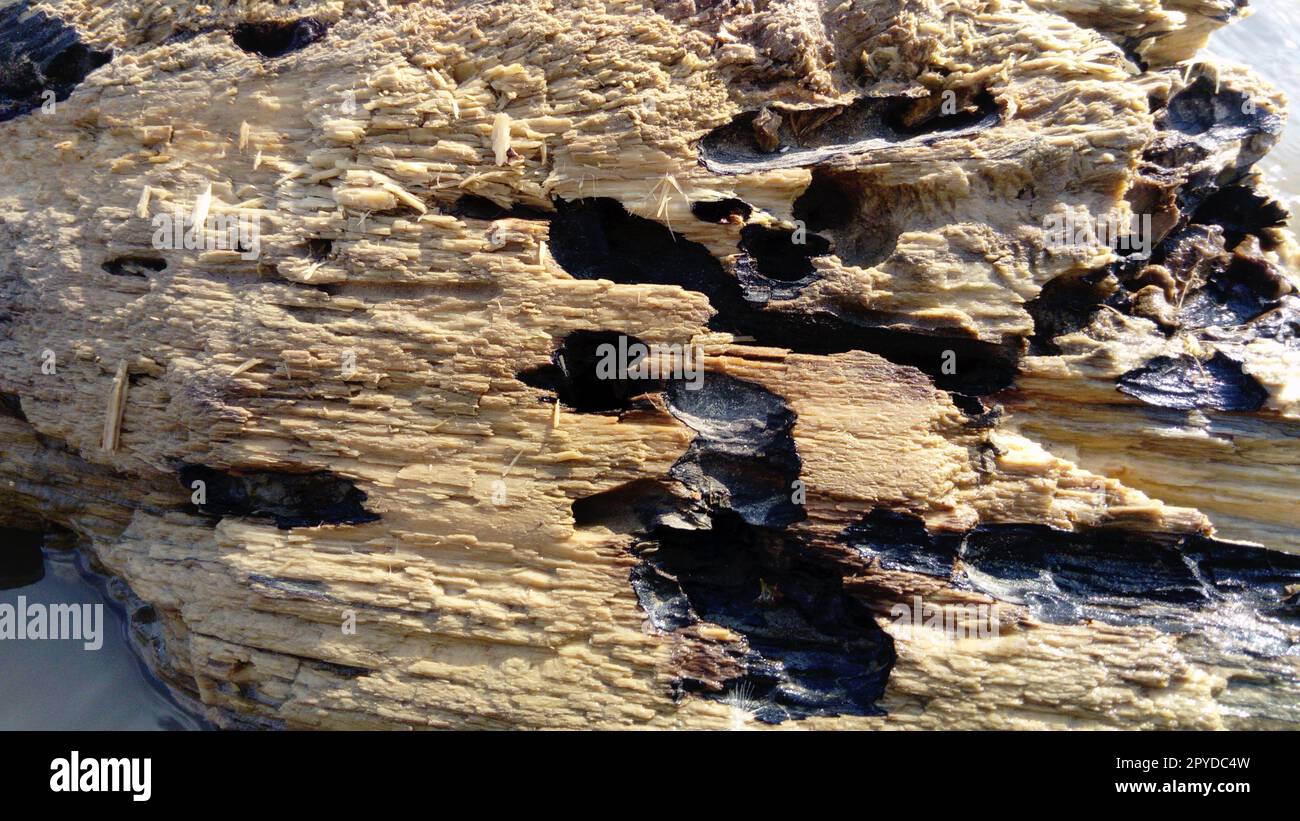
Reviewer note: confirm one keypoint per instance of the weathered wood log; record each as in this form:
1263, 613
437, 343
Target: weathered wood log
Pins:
661, 364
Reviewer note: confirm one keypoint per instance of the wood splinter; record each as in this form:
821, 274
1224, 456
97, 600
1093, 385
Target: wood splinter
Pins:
116, 407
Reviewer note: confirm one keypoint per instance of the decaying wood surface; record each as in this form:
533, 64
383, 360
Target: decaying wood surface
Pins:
358, 470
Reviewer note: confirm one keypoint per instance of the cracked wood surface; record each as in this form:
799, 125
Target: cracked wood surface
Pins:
445, 192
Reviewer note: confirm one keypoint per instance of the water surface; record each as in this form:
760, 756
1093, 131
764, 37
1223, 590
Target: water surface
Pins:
1269, 42
48, 684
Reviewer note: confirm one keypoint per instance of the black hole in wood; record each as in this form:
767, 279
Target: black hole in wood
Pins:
913, 118
134, 266
810, 647
1241, 211
320, 249
828, 202
778, 255
586, 371
277, 38
12, 404
858, 219
1066, 304
472, 206
291, 499
755, 141
629, 508
721, 211
598, 239
73, 64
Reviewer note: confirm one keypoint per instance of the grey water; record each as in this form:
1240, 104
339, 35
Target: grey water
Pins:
59, 684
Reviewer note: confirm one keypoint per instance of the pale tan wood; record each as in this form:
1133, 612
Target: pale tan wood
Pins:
477, 599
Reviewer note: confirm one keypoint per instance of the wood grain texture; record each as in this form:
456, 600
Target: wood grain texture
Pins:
448, 195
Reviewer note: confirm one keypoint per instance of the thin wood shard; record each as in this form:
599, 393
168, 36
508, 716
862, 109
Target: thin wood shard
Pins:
501, 138
116, 408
